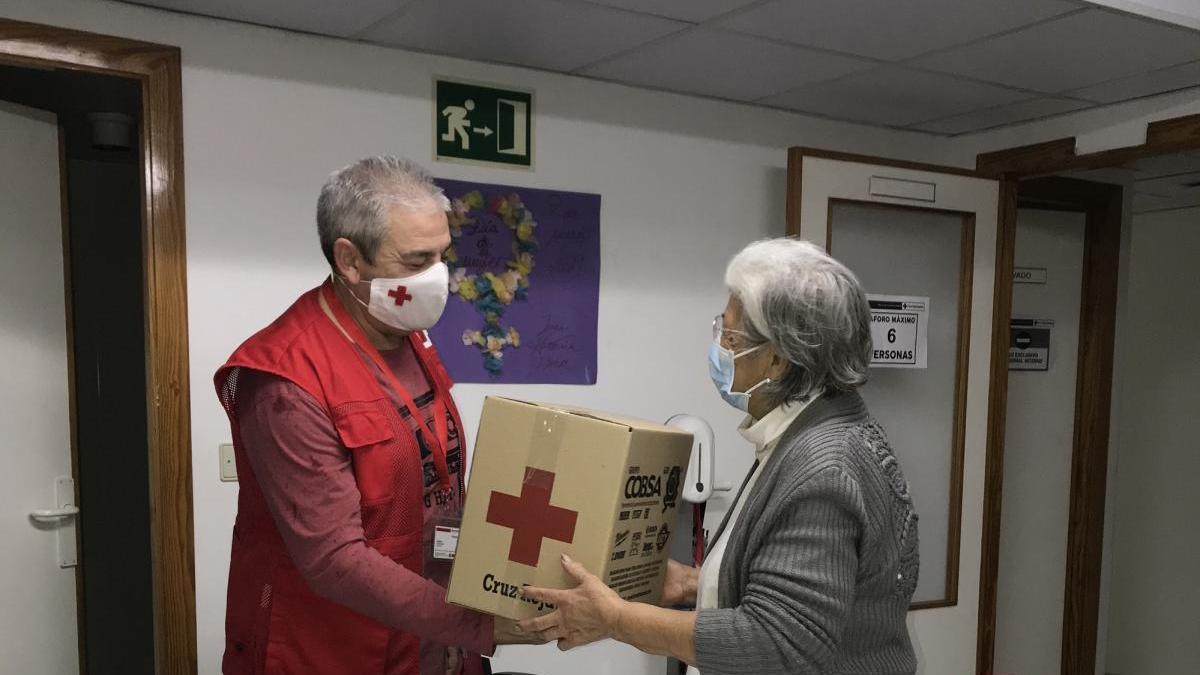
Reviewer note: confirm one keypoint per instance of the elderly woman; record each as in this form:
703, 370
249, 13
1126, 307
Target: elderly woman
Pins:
814, 567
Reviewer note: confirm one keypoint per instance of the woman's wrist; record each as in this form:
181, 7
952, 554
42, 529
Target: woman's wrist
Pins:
692, 590
617, 619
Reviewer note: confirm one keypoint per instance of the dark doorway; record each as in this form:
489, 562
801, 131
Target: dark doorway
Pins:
102, 232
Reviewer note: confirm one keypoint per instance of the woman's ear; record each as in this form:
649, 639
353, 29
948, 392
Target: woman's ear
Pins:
778, 366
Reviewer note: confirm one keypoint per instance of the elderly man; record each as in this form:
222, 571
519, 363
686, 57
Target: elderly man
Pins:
351, 455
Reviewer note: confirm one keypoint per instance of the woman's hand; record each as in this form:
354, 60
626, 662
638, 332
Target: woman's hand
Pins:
507, 633
585, 614
679, 588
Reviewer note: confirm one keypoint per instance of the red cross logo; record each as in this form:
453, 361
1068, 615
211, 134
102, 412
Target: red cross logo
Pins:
531, 517
400, 294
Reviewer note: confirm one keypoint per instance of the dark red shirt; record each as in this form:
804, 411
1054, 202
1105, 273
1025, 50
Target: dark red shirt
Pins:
307, 479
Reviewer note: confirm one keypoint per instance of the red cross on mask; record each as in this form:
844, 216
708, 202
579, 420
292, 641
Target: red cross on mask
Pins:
401, 295
531, 517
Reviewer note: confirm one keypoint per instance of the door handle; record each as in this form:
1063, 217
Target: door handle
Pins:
55, 514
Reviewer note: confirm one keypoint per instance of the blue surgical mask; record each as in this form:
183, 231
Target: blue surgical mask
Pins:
721, 369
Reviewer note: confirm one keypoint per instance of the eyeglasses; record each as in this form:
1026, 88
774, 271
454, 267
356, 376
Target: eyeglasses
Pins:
720, 332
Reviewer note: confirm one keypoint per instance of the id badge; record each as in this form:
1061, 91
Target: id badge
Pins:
445, 542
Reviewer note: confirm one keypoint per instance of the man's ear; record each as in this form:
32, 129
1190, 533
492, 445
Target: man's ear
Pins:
347, 260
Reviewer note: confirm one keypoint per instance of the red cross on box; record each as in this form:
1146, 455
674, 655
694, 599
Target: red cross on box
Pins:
531, 517
400, 294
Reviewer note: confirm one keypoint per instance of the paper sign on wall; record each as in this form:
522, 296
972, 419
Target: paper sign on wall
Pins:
899, 331
1029, 344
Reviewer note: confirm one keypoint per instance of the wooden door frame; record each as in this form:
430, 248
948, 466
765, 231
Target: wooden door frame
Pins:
157, 69
1101, 205
1093, 402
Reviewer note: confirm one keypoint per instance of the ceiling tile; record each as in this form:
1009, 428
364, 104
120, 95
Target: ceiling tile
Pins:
1110, 174
1143, 84
1005, 114
1071, 52
1170, 186
695, 11
890, 29
313, 16
728, 65
541, 33
1167, 165
1143, 203
893, 96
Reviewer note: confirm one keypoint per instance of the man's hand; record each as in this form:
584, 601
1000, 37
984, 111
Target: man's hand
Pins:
507, 633
585, 614
680, 585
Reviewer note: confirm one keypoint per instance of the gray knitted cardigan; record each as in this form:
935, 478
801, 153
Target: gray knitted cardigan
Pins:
820, 568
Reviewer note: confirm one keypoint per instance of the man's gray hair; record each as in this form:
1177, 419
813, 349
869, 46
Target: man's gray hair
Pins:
356, 200
810, 308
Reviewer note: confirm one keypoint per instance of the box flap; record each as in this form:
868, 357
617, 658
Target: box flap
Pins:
631, 423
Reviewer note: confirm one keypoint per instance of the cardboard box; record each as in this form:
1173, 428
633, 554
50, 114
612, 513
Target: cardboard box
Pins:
549, 479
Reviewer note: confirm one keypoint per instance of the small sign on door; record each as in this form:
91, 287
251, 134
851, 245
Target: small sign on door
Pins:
899, 331
1029, 344
1029, 275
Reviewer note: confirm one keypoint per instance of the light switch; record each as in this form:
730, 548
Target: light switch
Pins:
228, 464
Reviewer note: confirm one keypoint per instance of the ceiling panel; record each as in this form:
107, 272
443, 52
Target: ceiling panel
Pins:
894, 96
714, 63
540, 33
1170, 186
890, 29
1143, 203
1005, 114
1143, 84
342, 19
695, 11
1043, 56
1071, 52
1167, 165
1114, 174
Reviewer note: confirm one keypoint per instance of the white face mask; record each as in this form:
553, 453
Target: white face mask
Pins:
409, 303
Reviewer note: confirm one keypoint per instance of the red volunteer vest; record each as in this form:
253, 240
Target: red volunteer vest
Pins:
274, 623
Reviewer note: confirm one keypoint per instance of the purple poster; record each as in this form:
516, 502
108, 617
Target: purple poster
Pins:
524, 285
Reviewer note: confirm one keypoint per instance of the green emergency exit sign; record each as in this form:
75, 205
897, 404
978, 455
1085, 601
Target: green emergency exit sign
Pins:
476, 123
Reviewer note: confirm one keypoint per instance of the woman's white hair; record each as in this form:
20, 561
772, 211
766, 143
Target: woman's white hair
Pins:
356, 201
810, 308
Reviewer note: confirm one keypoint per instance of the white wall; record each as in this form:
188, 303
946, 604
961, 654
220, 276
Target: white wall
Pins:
1154, 612
268, 114
1039, 441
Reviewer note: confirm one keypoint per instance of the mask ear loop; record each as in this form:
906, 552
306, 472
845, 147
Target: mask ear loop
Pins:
346, 284
765, 381
748, 351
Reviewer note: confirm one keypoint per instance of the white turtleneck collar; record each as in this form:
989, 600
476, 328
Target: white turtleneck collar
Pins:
765, 433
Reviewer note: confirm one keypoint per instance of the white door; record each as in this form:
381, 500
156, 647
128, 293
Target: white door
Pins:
930, 236
38, 629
